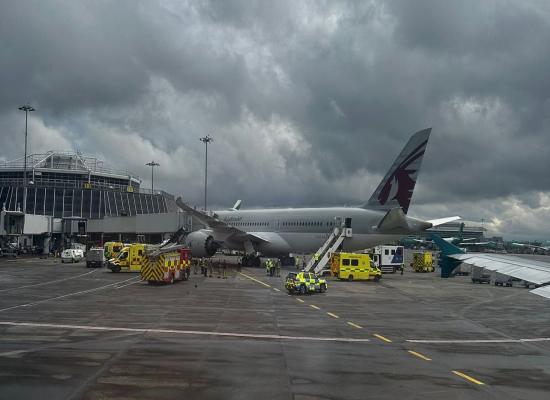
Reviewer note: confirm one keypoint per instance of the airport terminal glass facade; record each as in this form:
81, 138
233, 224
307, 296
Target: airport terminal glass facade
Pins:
69, 185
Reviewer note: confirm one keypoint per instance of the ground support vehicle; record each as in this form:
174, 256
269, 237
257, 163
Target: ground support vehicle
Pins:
112, 249
130, 259
95, 257
423, 262
352, 266
304, 283
71, 255
503, 280
480, 276
167, 267
388, 258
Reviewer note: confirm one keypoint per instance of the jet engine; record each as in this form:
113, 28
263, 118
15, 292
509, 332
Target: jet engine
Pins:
201, 243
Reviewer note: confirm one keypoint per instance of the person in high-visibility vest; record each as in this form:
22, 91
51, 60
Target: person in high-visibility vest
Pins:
267, 267
316, 256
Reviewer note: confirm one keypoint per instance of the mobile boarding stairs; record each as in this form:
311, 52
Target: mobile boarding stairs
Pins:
341, 231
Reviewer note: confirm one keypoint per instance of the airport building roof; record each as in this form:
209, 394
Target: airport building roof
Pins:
68, 163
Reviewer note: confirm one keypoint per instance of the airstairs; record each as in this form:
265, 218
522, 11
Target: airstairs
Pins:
334, 241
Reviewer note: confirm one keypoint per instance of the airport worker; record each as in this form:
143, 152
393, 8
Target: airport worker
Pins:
316, 256
267, 269
195, 266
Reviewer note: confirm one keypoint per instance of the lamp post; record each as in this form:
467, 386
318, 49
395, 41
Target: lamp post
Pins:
27, 108
207, 139
152, 164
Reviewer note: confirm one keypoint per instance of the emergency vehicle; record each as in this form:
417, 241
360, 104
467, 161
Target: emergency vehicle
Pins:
167, 267
387, 258
130, 259
353, 266
423, 262
112, 249
304, 283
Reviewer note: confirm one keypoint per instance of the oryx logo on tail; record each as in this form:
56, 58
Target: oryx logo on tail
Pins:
397, 187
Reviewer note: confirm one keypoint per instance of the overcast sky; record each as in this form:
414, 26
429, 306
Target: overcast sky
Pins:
308, 101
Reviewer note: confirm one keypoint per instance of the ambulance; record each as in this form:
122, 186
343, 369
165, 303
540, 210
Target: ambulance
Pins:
352, 266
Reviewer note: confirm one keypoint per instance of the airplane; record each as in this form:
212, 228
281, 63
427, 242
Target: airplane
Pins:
532, 272
532, 246
456, 240
281, 231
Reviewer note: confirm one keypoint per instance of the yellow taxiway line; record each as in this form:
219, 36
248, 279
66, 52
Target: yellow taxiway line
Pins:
255, 280
333, 315
385, 339
467, 377
355, 325
414, 353
314, 306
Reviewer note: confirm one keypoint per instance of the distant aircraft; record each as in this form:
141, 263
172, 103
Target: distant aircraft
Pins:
533, 272
532, 246
456, 240
275, 232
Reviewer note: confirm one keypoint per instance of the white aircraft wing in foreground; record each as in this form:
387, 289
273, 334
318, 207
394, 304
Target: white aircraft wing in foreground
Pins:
532, 271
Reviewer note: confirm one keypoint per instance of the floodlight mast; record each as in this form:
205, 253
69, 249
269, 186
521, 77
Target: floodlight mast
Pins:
207, 139
152, 164
27, 108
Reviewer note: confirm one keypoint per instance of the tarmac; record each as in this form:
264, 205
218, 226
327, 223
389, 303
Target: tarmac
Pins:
67, 332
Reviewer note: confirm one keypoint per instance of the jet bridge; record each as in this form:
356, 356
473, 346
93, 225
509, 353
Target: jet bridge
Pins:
340, 232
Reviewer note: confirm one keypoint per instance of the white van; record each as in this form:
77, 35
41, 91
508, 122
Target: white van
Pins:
72, 255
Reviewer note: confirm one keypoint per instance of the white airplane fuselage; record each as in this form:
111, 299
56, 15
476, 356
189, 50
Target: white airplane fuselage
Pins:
304, 230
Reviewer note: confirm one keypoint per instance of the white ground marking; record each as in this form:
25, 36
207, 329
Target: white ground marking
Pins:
473, 341
128, 284
65, 295
184, 332
49, 282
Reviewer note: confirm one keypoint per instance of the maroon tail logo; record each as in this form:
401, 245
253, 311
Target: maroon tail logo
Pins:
400, 185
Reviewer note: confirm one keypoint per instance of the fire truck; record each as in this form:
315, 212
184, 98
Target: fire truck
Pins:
166, 266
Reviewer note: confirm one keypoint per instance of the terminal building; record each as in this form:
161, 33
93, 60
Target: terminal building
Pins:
69, 195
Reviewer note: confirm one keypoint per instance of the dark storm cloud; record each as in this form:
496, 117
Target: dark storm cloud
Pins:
309, 102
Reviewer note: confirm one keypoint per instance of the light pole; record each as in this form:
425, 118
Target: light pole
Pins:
152, 164
207, 139
27, 108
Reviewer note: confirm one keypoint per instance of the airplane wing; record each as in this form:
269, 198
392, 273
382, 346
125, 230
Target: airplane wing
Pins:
474, 243
532, 271
441, 221
220, 228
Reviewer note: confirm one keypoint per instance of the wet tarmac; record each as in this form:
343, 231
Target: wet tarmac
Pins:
67, 332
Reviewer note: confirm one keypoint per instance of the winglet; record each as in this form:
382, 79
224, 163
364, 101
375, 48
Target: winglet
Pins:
447, 249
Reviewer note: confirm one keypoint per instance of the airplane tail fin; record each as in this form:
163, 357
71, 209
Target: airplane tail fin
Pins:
446, 248
397, 187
